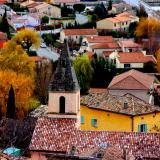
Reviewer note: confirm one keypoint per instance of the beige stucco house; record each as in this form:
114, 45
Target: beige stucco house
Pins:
120, 22
76, 35
131, 59
43, 8
132, 82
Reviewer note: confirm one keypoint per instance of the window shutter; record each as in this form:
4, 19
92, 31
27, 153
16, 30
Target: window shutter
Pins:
82, 119
92, 122
139, 128
145, 127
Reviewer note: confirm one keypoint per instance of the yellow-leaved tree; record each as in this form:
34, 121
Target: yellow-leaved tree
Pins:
23, 86
13, 57
158, 60
27, 38
149, 28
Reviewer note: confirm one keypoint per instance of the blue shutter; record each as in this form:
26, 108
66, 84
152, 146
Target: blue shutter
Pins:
139, 128
92, 122
82, 119
145, 127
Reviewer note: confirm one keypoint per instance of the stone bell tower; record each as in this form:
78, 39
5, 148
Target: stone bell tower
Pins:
64, 91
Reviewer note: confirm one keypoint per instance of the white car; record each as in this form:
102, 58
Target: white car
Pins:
43, 45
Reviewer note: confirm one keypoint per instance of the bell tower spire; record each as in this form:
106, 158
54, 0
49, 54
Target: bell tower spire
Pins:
64, 91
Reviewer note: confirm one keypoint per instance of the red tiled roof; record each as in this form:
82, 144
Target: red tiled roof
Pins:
100, 39
113, 45
59, 135
134, 57
132, 79
98, 90
80, 31
129, 44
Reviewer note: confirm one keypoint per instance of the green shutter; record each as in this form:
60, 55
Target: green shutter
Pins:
145, 127
92, 122
139, 128
82, 119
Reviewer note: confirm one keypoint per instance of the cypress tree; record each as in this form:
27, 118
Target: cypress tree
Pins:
11, 107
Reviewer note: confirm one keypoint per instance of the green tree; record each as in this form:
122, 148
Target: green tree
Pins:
94, 18
11, 107
110, 5
84, 72
100, 11
141, 12
79, 7
132, 28
44, 20
104, 71
4, 25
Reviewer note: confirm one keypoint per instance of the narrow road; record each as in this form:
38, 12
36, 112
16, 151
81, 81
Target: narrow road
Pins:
47, 53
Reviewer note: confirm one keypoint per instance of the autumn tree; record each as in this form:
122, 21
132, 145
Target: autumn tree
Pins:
158, 60
13, 57
141, 12
44, 73
23, 89
84, 72
11, 104
149, 28
27, 38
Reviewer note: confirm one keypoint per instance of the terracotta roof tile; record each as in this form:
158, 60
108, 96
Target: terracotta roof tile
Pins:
80, 31
59, 135
3, 36
132, 79
98, 90
100, 39
114, 103
134, 57
129, 44
113, 45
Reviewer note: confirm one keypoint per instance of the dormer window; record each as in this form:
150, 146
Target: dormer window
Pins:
125, 104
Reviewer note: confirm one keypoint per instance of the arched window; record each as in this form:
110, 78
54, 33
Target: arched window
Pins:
62, 104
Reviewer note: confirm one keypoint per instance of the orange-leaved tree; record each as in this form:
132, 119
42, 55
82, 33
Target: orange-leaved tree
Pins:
149, 28
23, 86
158, 60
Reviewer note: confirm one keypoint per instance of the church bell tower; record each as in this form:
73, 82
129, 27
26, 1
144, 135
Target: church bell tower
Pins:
64, 91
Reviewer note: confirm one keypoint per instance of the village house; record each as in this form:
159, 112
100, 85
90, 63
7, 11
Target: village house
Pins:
101, 47
129, 46
121, 22
76, 35
63, 132
92, 40
120, 7
131, 59
134, 82
43, 8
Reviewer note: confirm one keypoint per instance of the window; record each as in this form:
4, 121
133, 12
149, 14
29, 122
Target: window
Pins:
127, 65
115, 24
125, 104
142, 128
94, 122
62, 104
82, 119
122, 23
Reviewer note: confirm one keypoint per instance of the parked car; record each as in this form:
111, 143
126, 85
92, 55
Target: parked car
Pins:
43, 45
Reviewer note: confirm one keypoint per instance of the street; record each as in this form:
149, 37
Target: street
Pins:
47, 53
